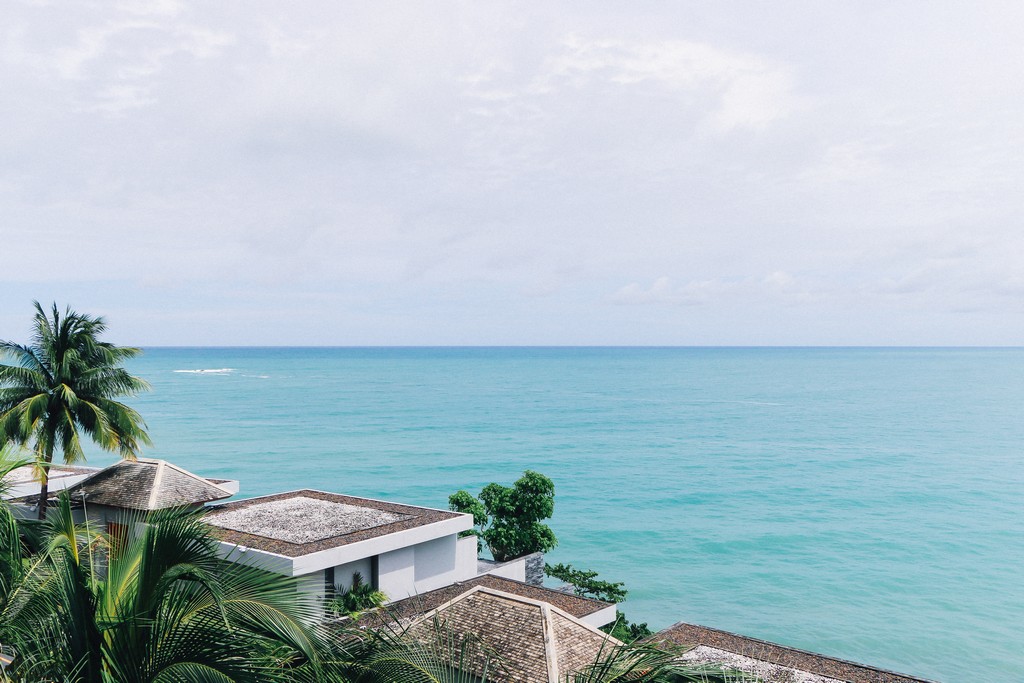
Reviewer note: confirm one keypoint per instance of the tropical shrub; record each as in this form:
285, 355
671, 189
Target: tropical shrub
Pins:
359, 597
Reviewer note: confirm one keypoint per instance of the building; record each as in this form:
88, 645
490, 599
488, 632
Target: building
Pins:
324, 538
771, 662
115, 496
593, 612
527, 640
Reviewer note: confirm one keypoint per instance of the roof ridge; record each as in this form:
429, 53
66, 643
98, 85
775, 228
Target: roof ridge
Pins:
553, 647
551, 609
182, 470
157, 481
551, 644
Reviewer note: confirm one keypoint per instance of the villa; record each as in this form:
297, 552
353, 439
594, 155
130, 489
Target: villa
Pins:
321, 538
418, 557
324, 538
536, 641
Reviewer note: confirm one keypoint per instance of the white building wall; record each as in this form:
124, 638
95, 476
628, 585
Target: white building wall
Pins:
396, 573
343, 573
601, 617
513, 569
465, 558
312, 585
435, 563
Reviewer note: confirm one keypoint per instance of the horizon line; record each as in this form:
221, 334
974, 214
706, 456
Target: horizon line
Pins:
581, 346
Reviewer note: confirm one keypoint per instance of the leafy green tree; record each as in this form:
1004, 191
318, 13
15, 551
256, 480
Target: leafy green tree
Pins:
64, 384
585, 583
509, 519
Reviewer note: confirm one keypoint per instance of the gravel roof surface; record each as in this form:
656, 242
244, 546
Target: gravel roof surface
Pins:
302, 519
765, 671
28, 473
408, 517
782, 657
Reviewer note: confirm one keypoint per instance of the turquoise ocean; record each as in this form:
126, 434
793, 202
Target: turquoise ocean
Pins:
863, 503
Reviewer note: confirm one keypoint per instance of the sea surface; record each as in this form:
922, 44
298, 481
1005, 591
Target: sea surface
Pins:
863, 503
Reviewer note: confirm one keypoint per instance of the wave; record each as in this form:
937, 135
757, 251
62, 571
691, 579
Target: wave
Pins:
210, 371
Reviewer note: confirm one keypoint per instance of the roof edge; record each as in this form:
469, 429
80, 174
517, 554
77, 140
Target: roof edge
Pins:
795, 650
542, 605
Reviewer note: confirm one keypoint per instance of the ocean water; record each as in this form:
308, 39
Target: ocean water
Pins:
863, 503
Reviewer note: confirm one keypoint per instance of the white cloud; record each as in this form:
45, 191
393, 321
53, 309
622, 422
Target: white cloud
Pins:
741, 90
777, 285
551, 164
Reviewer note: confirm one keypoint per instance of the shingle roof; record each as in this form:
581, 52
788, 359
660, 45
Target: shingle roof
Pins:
534, 642
414, 606
146, 484
302, 522
780, 656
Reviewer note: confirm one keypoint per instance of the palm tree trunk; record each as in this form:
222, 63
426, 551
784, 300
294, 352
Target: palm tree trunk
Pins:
44, 478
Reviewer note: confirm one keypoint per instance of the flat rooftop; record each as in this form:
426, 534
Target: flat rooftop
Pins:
307, 521
28, 473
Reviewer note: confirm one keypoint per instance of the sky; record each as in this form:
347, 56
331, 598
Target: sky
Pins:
498, 173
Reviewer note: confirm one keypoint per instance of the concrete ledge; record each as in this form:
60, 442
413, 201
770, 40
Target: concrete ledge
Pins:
513, 569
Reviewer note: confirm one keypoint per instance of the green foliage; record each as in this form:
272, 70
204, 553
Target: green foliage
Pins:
358, 598
586, 584
12, 547
64, 384
463, 501
509, 519
164, 607
626, 631
648, 663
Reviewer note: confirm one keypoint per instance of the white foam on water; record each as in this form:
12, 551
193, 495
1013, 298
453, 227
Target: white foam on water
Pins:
210, 371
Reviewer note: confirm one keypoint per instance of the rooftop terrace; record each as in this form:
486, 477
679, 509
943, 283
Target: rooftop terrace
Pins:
307, 521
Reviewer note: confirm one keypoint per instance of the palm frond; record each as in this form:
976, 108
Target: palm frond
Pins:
649, 663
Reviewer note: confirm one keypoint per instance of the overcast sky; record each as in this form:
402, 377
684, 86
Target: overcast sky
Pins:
329, 173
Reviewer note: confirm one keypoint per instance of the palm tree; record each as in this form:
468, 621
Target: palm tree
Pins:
647, 662
11, 547
162, 607
63, 384
165, 607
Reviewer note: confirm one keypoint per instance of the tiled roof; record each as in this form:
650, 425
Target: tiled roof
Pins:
780, 656
146, 484
301, 522
416, 605
532, 641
